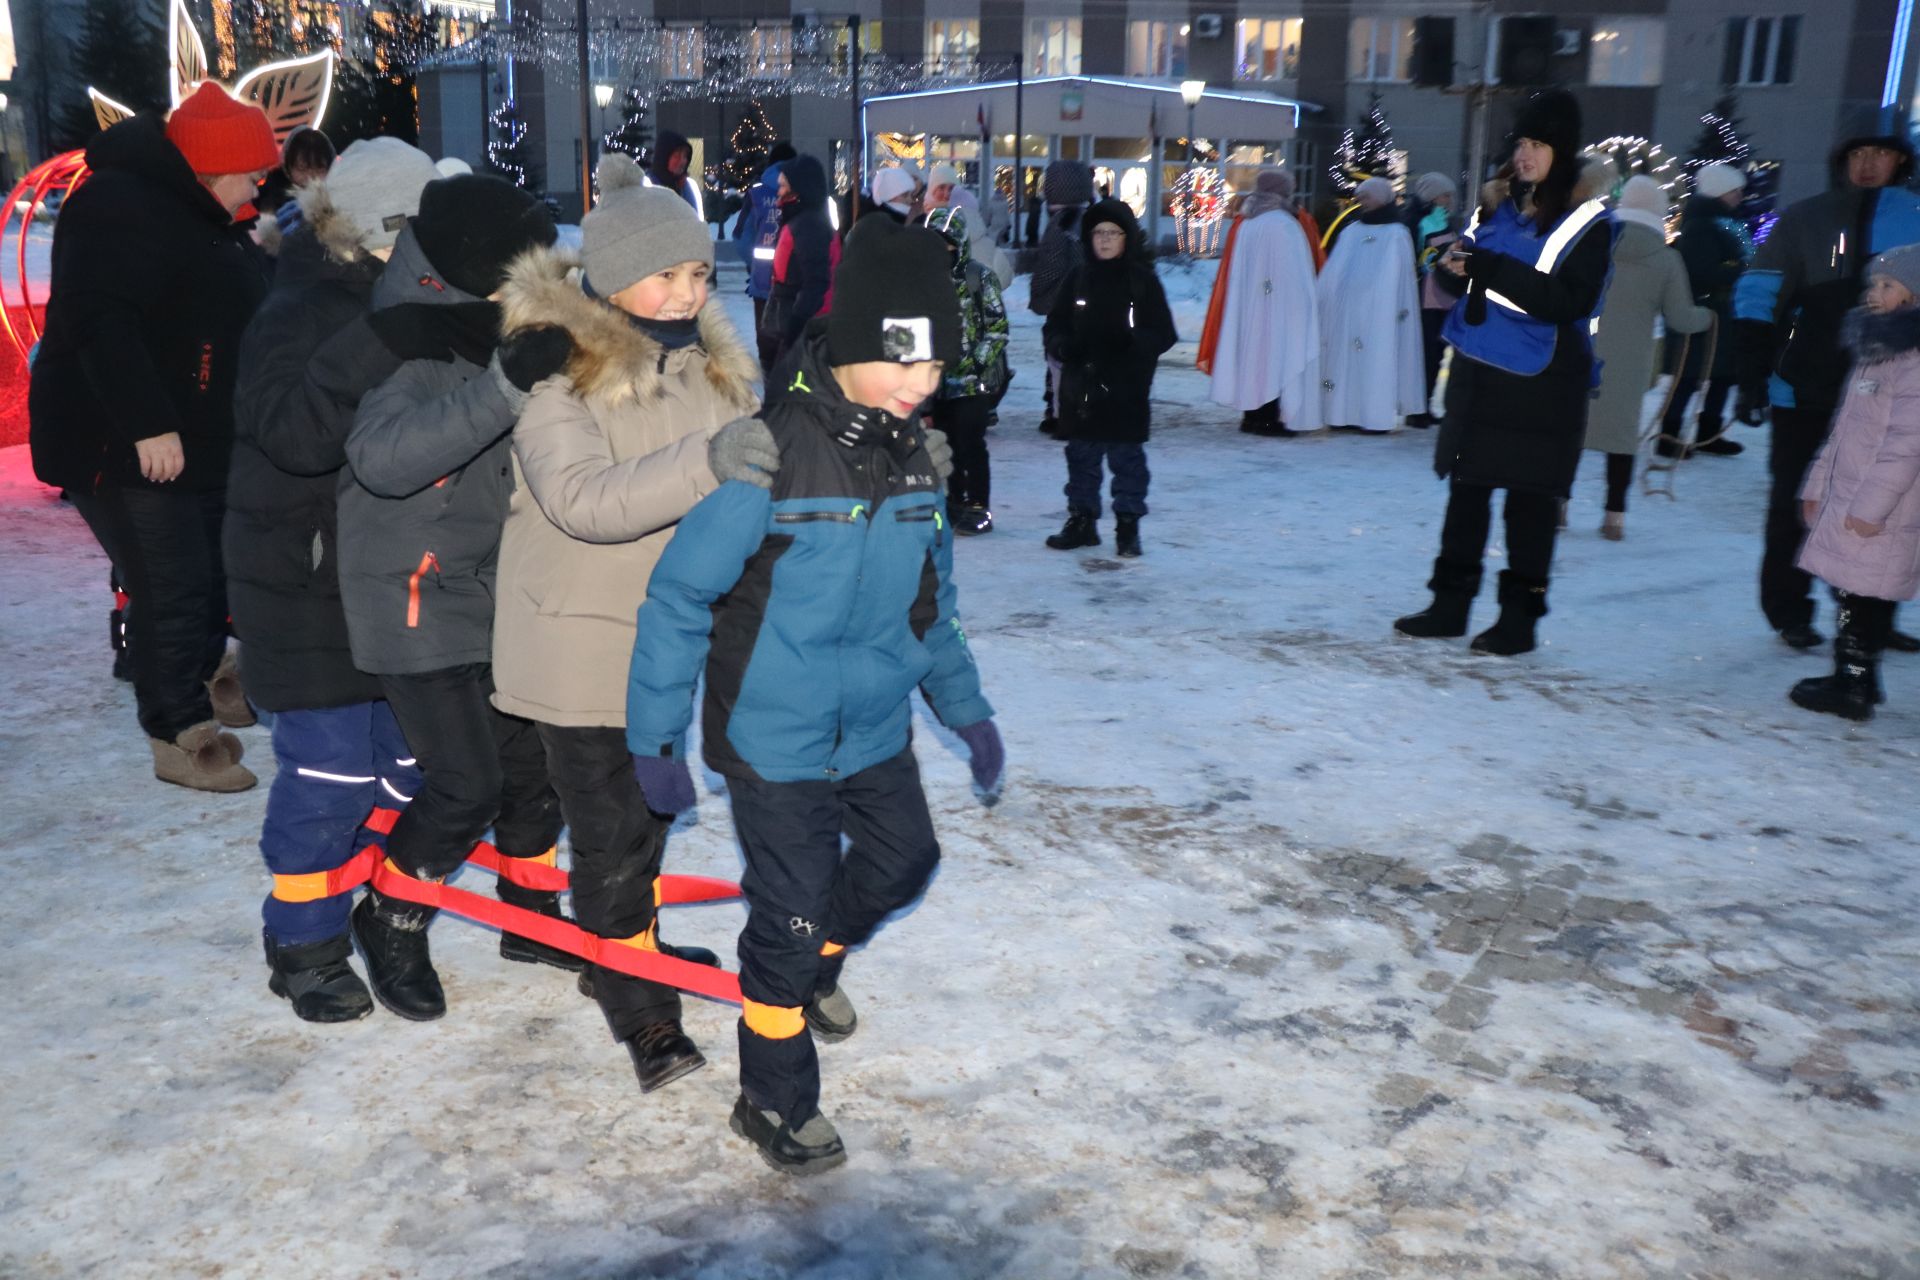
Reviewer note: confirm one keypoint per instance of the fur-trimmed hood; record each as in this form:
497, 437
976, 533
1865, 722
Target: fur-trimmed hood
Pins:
1876, 339
338, 234
613, 361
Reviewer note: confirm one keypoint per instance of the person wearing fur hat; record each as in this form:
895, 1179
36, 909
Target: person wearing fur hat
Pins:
131, 400
1369, 320
608, 455
307, 358
1787, 311
971, 385
1716, 248
421, 503
1861, 498
815, 608
1537, 264
1108, 335
1649, 282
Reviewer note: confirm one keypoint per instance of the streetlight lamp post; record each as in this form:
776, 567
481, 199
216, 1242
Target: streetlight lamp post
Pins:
603, 97
1190, 93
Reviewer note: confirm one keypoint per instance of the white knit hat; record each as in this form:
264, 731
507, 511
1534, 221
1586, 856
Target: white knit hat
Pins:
1644, 194
943, 175
1374, 193
1716, 180
376, 184
891, 184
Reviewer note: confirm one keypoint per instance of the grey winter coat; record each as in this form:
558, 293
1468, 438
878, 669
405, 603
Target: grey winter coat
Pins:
1649, 281
422, 498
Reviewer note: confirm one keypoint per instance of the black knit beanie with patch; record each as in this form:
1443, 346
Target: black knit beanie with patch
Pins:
893, 297
471, 226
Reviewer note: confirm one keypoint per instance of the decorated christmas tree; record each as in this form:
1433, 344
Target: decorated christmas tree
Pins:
510, 150
1365, 154
633, 136
753, 137
1719, 140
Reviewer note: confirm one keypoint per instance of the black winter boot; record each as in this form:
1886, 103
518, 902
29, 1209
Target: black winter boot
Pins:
1079, 531
662, 1053
1853, 690
1522, 603
813, 1147
692, 955
1446, 618
1126, 536
526, 950
392, 936
317, 978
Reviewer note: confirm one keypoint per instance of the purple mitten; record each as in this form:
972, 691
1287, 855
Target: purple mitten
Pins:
666, 784
989, 756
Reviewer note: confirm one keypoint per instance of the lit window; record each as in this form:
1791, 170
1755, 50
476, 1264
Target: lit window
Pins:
952, 45
1157, 49
1269, 49
1053, 46
1380, 49
1626, 51
683, 51
1761, 51
770, 50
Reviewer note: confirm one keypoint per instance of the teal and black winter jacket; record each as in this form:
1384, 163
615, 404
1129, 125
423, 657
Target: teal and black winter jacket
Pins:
815, 608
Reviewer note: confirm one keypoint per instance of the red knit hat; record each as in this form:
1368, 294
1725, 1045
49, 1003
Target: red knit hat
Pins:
219, 134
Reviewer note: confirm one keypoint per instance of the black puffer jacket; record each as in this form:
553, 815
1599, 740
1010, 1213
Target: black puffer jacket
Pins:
306, 360
1108, 332
152, 286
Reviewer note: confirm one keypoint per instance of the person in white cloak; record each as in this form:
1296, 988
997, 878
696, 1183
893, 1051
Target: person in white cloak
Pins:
1268, 357
1370, 342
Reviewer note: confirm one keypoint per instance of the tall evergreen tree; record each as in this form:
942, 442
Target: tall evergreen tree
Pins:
633, 135
122, 55
753, 138
1719, 140
510, 149
1367, 153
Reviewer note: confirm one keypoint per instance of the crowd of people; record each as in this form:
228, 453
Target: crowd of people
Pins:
482, 512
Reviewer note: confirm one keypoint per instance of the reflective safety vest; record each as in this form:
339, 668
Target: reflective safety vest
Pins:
1509, 338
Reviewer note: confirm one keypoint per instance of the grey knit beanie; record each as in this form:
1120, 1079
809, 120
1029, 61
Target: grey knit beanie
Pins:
1902, 264
636, 231
376, 184
1431, 186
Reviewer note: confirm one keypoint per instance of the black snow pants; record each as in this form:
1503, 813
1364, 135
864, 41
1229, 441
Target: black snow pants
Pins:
617, 846
1786, 590
1531, 519
964, 419
808, 902
478, 766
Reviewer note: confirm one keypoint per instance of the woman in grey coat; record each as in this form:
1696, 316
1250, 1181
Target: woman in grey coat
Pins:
1649, 281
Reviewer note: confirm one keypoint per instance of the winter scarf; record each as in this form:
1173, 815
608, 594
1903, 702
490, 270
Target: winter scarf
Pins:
1875, 339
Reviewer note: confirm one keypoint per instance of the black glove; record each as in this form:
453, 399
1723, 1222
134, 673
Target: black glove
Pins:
530, 355
353, 361
434, 331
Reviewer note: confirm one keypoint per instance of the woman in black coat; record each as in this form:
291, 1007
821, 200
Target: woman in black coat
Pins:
1537, 268
1108, 329
132, 396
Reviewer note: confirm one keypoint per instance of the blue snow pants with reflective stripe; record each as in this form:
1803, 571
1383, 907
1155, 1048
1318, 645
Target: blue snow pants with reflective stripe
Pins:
335, 766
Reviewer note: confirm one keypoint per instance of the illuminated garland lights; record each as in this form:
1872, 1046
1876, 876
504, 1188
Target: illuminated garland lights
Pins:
1364, 155
507, 133
1199, 207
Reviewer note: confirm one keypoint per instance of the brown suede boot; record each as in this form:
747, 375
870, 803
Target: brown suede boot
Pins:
202, 758
230, 706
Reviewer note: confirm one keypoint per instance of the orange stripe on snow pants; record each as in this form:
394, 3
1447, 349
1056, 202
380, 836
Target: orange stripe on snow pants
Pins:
773, 1021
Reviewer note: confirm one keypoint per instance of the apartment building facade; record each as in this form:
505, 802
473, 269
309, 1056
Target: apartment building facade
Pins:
1805, 75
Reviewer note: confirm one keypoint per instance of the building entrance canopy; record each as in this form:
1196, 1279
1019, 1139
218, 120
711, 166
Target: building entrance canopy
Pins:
1082, 105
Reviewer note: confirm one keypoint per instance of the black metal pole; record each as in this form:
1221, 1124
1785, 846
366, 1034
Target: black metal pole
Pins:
859, 125
1019, 147
586, 118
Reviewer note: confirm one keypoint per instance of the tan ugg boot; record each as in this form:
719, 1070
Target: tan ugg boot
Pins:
202, 758
229, 699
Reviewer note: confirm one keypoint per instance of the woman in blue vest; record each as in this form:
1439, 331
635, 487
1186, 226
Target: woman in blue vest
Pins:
1537, 266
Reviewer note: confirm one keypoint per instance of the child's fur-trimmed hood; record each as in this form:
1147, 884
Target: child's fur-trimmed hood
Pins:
1876, 339
613, 361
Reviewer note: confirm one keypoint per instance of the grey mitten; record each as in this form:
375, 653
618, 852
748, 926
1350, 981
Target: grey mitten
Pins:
744, 449
939, 452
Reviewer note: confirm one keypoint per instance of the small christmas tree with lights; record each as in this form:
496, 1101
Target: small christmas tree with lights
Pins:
633, 136
1365, 154
509, 151
1720, 141
752, 140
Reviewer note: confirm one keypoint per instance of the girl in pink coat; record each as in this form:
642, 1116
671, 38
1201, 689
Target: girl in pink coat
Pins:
1861, 498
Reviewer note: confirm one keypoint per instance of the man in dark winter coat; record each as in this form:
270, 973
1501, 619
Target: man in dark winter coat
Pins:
671, 156
1068, 188
805, 254
132, 397
757, 231
422, 503
1787, 312
307, 358
1714, 245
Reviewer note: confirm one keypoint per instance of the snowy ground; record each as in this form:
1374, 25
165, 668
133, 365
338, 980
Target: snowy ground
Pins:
1293, 950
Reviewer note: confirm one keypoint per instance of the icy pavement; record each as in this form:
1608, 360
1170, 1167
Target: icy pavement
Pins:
1294, 950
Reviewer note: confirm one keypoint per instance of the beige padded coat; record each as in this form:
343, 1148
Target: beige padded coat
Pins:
608, 457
